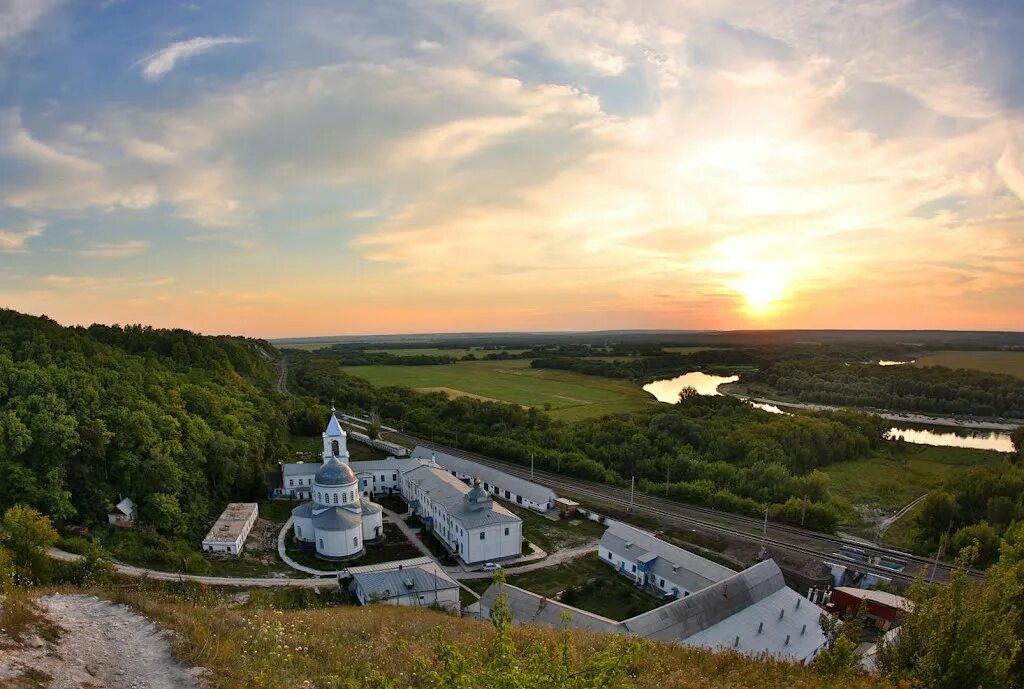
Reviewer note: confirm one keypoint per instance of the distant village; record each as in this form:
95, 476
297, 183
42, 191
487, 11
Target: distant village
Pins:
706, 604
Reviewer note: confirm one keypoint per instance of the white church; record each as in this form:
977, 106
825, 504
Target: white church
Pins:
340, 519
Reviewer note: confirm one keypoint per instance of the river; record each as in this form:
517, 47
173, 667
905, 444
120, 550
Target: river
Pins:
667, 390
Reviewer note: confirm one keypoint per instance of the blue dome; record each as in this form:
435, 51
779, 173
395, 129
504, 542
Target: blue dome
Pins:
334, 473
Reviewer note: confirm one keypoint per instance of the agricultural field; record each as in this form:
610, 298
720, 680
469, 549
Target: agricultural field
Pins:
434, 351
600, 589
1010, 363
565, 394
685, 350
880, 485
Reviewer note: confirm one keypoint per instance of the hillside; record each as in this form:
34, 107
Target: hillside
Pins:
177, 421
264, 643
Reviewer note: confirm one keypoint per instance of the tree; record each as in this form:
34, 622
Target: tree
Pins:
27, 534
1017, 437
957, 635
983, 537
164, 513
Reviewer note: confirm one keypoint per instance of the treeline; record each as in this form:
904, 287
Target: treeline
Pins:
975, 508
930, 390
715, 451
647, 368
178, 422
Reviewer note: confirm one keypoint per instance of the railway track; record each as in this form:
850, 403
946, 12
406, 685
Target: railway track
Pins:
779, 536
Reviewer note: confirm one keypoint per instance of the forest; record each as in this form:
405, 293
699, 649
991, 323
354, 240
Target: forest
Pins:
178, 422
930, 389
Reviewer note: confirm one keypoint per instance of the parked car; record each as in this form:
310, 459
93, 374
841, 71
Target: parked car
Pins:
491, 566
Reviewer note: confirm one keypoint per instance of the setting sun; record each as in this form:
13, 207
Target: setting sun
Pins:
762, 288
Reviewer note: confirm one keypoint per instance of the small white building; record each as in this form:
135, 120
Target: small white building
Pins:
496, 482
383, 476
338, 521
467, 520
417, 583
228, 534
123, 515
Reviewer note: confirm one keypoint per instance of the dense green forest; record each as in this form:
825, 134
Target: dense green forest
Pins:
179, 422
931, 389
711, 450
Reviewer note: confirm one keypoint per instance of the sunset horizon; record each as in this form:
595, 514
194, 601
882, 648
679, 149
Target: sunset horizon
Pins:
275, 172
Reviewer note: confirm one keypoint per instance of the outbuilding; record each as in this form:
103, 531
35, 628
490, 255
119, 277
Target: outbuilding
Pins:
228, 534
123, 515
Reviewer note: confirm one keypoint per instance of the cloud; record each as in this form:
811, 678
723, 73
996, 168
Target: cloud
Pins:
115, 249
1009, 168
163, 61
19, 16
13, 241
91, 282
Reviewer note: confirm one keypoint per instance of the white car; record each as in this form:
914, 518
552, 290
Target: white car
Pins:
491, 566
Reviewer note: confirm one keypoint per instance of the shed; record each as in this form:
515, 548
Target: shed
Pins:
123, 515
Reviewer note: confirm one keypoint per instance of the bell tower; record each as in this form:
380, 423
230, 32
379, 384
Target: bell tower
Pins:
335, 439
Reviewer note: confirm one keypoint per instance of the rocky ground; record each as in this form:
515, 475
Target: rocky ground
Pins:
84, 642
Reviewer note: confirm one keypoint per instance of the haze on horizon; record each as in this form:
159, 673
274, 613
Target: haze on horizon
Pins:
290, 169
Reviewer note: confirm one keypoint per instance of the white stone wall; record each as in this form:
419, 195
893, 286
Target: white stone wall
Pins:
339, 543
499, 541
303, 529
373, 526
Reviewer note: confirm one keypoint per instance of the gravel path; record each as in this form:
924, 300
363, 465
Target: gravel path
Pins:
105, 645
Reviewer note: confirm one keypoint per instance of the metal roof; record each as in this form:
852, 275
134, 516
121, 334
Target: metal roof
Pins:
334, 428
125, 507
336, 519
399, 464
300, 469
334, 472
445, 489
890, 600
405, 581
675, 564
754, 605
529, 608
532, 491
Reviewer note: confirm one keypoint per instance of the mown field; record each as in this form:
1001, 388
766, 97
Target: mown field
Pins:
565, 394
1010, 363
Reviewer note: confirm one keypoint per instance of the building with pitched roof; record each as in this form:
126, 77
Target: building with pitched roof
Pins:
418, 583
751, 612
227, 535
656, 564
494, 481
465, 519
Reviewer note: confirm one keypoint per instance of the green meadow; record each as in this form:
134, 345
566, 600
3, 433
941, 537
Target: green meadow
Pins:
564, 394
1010, 363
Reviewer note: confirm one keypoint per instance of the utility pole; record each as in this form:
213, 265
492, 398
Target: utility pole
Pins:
632, 485
531, 466
668, 469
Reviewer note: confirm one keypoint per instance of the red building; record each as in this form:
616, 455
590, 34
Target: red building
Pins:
884, 609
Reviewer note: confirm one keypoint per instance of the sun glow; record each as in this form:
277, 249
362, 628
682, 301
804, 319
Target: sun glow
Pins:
762, 287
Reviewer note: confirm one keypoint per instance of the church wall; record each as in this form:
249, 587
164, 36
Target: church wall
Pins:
302, 528
495, 545
373, 526
339, 543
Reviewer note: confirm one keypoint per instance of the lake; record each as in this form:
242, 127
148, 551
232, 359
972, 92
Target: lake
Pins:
667, 390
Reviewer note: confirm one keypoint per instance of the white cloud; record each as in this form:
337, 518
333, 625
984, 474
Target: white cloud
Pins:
19, 16
14, 240
163, 61
115, 249
1010, 167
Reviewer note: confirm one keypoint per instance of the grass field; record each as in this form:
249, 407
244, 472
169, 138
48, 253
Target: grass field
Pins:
567, 395
605, 592
551, 535
1010, 363
358, 452
685, 350
882, 484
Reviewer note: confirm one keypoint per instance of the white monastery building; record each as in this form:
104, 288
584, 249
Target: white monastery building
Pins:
496, 482
338, 520
228, 534
466, 519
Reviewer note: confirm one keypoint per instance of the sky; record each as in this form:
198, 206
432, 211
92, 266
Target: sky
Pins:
314, 168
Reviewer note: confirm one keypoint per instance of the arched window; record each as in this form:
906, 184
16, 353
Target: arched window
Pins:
335, 498
344, 498
355, 541
335, 448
